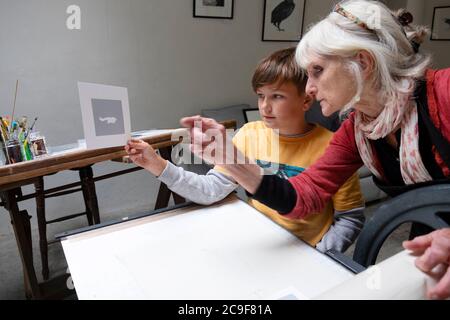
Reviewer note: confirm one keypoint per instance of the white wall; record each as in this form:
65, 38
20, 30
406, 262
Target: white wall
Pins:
397, 4
168, 59
317, 10
173, 65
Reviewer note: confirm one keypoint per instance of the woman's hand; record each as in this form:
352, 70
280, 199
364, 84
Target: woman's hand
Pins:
434, 251
143, 155
209, 140
198, 127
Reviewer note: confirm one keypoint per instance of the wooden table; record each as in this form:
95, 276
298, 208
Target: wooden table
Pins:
14, 177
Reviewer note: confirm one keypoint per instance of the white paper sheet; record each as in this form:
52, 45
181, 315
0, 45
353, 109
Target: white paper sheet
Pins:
227, 251
396, 278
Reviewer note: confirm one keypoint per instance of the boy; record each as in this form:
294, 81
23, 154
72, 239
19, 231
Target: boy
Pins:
280, 85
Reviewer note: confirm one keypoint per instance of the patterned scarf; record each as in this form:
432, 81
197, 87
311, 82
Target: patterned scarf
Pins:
404, 115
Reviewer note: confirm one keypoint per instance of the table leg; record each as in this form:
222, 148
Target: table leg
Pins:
42, 225
89, 193
162, 201
22, 231
177, 198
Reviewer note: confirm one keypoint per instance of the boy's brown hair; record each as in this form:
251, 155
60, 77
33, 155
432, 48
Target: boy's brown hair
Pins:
279, 67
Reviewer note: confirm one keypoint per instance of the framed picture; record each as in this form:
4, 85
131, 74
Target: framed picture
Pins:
251, 114
283, 20
440, 30
218, 9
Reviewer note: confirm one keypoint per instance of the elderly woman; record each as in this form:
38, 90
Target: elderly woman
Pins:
363, 60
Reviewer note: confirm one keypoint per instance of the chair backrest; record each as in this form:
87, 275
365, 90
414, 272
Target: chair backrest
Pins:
227, 113
251, 115
315, 115
428, 206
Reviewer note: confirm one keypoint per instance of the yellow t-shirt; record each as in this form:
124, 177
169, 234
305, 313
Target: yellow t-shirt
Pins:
288, 158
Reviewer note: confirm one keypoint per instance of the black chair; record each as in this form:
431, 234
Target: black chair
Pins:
315, 115
428, 206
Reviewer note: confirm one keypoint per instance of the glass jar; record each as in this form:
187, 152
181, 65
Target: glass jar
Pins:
3, 155
13, 149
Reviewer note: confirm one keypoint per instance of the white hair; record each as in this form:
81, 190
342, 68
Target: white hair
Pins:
388, 42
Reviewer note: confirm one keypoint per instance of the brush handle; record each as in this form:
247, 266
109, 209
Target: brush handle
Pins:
14, 107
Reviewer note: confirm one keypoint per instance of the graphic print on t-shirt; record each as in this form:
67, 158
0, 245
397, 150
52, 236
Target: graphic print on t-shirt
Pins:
283, 170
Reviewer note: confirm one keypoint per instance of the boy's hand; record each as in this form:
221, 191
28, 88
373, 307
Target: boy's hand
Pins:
434, 251
143, 155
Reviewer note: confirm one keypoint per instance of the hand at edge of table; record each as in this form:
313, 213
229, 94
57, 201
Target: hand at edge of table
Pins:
434, 258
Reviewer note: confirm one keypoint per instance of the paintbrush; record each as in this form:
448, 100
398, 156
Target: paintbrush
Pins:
5, 138
32, 126
14, 107
4, 128
30, 130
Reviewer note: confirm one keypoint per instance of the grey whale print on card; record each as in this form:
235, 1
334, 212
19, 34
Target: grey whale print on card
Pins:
108, 117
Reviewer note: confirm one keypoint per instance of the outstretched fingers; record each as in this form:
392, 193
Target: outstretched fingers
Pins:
420, 244
188, 122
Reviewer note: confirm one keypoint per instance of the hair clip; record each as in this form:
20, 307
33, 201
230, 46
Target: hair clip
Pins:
405, 18
416, 46
351, 17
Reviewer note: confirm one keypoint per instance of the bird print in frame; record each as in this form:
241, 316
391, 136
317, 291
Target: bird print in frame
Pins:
440, 30
281, 12
283, 20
